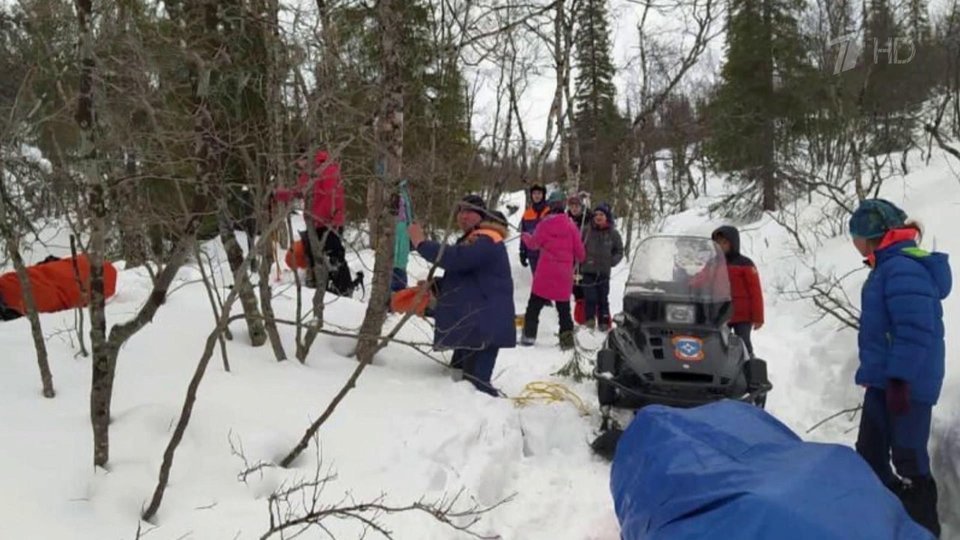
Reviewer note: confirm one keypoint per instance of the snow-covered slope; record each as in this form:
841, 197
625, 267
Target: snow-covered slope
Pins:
407, 432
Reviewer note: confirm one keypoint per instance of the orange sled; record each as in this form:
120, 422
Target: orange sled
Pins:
54, 285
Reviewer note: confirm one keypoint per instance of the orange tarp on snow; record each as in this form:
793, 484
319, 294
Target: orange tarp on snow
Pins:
296, 258
55, 286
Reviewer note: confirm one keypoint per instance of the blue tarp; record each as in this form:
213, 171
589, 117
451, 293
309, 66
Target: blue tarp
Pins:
729, 470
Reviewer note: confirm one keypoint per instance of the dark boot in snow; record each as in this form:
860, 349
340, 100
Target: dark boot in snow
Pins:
591, 324
526, 341
919, 497
566, 341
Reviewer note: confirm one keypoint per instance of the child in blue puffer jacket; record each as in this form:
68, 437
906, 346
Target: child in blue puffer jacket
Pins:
901, 343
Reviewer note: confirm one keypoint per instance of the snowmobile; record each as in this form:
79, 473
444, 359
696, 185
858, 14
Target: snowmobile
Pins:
671, 344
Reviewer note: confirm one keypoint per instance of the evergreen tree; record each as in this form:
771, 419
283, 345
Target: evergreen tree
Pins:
759, 106
894, 88
598, 124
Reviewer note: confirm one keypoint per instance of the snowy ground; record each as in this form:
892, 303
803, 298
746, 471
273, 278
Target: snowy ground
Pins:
407, 432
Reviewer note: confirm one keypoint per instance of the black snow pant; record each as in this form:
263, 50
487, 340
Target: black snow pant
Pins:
743, 331
477, 366
531, 320
904, 437
339, 279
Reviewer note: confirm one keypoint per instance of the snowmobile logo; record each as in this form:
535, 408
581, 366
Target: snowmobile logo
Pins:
688, 348
850, 50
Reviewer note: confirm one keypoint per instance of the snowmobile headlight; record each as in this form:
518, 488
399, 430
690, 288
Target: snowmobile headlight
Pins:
681, 314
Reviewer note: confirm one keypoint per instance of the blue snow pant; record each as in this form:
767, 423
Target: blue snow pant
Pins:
596, 294
398, 281
477, 366
904, 436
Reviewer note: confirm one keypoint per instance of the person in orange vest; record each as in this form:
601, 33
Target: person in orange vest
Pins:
534, 214
474, 310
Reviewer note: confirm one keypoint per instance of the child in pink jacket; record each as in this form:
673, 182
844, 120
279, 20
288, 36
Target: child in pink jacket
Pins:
558, 241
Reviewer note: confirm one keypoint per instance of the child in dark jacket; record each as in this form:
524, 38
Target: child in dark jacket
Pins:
745, 286
534, 214
902, 351
604, 249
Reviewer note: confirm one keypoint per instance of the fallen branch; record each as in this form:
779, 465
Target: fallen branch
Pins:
851, 411
293, 510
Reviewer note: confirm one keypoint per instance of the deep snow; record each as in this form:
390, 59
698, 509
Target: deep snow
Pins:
407, 431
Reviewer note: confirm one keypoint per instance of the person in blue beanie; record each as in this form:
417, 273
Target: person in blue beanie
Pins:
901, 349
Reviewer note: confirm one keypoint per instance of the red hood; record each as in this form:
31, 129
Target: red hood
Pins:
320, 157
892, 237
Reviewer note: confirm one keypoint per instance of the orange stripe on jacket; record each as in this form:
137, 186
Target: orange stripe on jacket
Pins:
493, 235
531, 214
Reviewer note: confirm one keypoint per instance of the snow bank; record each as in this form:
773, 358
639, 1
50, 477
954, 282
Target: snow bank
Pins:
407, 432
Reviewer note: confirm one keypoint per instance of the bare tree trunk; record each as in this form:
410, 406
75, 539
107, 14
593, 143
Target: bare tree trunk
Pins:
103, 356
248, 300
131, 240
561, 61
193, 388
26, 289
188, 404
266, 305
78, 313
390, 139
768, 167
210, 285
655, 178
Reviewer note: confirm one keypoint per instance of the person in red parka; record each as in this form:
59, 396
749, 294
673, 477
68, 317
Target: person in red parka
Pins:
322, 183
744, 286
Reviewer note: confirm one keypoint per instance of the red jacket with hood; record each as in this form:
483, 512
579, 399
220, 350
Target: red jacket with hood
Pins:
744, 281
329, 199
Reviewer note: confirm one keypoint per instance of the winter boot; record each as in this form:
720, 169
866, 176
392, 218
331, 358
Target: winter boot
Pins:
566, 341
526, 341
591, 324
605, 324
919, 498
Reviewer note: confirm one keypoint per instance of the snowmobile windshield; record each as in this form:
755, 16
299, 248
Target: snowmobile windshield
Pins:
685, 267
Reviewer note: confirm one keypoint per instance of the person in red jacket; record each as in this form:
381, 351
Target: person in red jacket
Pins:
744, 286
323, 185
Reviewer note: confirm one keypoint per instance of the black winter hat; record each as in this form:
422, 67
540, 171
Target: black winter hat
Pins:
498, 217
538, 187
474, 203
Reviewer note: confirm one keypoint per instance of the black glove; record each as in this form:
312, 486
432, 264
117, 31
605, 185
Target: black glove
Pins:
523, 261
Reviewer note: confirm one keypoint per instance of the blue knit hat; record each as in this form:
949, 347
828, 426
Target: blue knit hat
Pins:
875, 217
557, 202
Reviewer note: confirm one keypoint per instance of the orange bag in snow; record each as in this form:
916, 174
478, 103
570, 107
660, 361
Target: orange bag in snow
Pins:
55, 286
296, 257
411, 300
